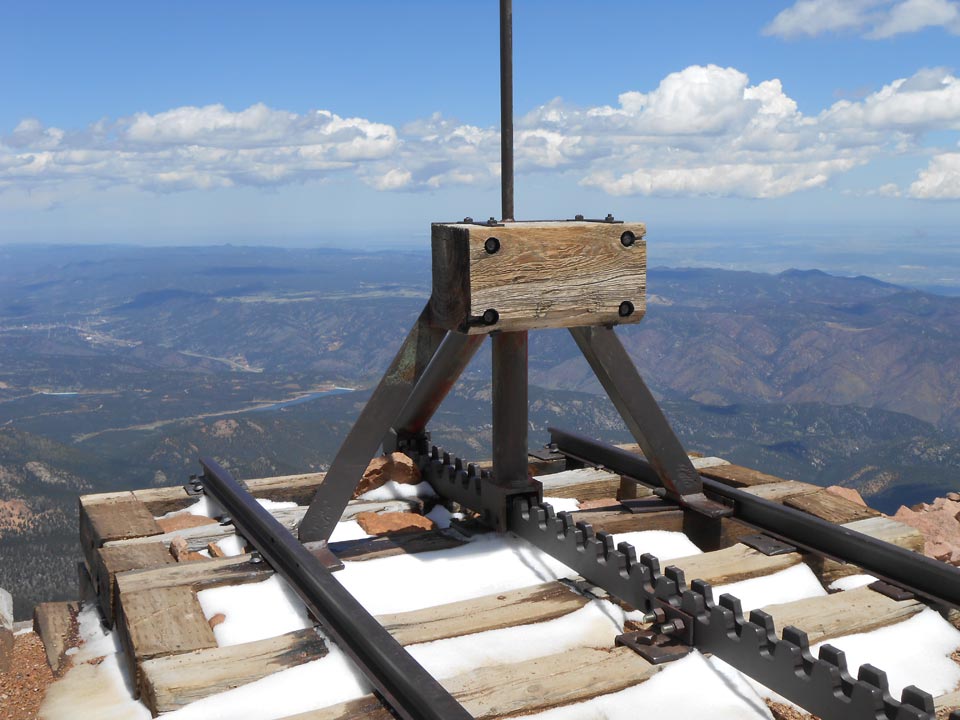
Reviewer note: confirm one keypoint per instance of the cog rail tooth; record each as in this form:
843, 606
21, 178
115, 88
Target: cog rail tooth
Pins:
784, 662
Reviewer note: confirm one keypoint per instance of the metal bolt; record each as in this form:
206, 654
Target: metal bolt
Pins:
491, 317
492, 221
627, 239
654, 616
198, 487
626, 309
609, 217
672, 627
256, 559
492, 245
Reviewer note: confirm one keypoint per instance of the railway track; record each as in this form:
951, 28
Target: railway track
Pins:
176, 659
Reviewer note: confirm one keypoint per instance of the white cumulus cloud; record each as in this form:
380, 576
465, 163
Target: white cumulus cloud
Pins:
702, 130
876, 19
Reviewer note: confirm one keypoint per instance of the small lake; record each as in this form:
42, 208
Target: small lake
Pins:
302, 399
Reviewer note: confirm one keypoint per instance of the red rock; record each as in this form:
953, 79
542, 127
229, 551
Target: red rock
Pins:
938, 523
393, 522
396, 466
182, 522
846, 493
181, 551
215, 550
216, 620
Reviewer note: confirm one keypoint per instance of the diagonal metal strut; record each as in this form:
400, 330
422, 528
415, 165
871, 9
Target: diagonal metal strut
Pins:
644, 418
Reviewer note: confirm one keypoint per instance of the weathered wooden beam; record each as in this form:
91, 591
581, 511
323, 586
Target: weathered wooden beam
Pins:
831, 507
739, 476
55, 623
161, 621
620, 521
110, 517
521, 688
490, 612
732, 564
581, 484
169, 683
843, 613
198, 538
538, 275
111, 560
235, 570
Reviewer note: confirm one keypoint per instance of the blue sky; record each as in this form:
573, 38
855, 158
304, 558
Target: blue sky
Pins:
323, 122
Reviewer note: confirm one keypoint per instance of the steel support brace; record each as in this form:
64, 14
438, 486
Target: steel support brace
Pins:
438, 379
368, 431
510, 411
410, 690
643, 417
928, 578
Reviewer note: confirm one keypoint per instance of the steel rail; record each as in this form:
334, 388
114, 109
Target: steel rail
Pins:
406, 686
929, 578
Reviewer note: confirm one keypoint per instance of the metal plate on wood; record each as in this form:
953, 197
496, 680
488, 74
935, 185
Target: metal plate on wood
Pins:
894, 592
767, 545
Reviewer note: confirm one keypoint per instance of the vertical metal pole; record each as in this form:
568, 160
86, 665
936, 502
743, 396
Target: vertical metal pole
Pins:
506, 108
510, 409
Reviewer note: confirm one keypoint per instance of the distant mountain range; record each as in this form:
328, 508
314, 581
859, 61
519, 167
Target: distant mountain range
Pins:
119, 366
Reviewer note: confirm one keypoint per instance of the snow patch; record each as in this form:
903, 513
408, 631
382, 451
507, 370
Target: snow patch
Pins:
794, 583
254, 611
662, 543
913, 652
687, 688
392, 490
852, 582
560, 504
594, 625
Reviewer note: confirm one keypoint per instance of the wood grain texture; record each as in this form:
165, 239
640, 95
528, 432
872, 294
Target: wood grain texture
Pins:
619, 521
581, 484
54, 623
110, 517
828, 506
115, 559
198, 538
780, 491
169, 683
490, 612
161, 621
197, 576
732, 564
521, 688
738, 476
545, 274
298, 488
843, 613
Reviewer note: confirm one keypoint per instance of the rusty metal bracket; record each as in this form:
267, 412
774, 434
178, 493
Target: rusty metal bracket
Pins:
653, 647
767, 545
894, 592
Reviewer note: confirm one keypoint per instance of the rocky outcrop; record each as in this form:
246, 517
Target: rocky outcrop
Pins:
396, 466
939, 523
393, 522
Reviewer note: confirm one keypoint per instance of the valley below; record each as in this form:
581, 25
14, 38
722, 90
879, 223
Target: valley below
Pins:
120, 366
